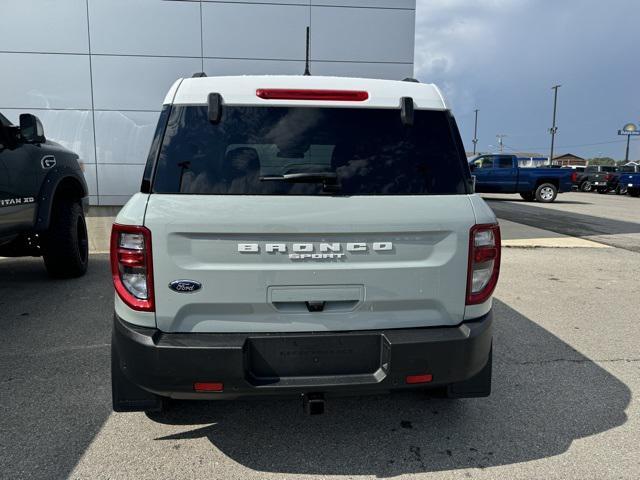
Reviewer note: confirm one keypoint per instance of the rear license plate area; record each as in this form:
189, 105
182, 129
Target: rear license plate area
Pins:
276, 357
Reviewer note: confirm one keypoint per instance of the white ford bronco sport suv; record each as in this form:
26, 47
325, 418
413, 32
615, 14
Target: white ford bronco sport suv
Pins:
302, 235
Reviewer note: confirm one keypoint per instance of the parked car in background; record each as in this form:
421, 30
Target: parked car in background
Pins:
575, 178
615, 185
43, 199
594, 177
501, 174
631, 183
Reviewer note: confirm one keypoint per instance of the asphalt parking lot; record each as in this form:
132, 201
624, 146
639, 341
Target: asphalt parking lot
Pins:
565, 400
610, 219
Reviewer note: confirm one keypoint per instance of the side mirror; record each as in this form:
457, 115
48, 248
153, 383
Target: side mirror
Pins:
31, 129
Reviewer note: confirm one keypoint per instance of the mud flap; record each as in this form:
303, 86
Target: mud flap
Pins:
477, 386
128, 397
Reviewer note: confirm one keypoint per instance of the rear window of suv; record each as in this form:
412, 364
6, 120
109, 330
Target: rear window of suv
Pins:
309, 151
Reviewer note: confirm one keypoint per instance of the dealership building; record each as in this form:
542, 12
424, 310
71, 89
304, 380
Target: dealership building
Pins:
96, 71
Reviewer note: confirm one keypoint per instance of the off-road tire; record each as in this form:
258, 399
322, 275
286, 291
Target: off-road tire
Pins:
66, 244
546, 193
586, 186
634, 192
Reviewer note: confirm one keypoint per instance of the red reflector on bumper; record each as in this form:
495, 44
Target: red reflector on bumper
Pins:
425, 378
208, 386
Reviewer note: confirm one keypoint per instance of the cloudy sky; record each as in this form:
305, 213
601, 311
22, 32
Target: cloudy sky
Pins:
503, 57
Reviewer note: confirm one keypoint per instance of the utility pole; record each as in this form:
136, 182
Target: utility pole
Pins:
500, 136
554, 128
475, 133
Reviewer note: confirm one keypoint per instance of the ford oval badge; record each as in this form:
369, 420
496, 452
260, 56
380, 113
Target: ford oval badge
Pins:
185, 286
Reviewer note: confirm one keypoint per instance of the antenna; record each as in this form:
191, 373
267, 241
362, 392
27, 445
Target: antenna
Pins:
306, 62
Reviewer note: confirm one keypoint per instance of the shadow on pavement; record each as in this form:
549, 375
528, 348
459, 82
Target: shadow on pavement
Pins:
559, 200
54, 366
601, 229
546, 395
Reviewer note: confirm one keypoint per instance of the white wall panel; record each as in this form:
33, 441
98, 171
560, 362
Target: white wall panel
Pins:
119, 179
218, 66
73, 129
389, 71
137, 83
367, 3
110, 200
287, 2
145, 27
254, 31
362, 34
30, 80
43, 26
91, 179
124, 137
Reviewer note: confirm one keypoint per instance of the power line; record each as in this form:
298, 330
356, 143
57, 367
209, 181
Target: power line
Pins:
576, 145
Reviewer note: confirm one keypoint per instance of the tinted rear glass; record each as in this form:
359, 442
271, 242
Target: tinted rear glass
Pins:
355, 151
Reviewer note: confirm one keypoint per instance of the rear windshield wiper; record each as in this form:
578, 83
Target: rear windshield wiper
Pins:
308, 177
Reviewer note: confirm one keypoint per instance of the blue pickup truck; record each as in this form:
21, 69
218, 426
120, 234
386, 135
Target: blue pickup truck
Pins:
630, 182
501, 174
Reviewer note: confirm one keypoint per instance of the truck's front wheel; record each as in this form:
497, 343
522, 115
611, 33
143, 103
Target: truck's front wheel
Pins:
586, 186
66, 244
634, 192
546, 193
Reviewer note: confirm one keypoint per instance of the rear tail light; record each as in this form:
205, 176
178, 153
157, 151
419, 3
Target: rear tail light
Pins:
484, 262
574, 176
305, 94
608, 177
131, 266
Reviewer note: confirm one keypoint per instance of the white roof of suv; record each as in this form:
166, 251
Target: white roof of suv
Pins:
241, 90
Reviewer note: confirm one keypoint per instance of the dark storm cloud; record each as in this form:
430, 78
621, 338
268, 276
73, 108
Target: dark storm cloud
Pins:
503, 57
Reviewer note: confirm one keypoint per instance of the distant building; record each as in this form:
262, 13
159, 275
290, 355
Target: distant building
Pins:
569, 160
531, 160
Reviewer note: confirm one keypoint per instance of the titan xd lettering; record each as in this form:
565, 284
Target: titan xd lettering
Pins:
311, 251
9, 202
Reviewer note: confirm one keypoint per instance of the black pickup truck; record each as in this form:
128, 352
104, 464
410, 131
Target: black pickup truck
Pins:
43, 199
595, 177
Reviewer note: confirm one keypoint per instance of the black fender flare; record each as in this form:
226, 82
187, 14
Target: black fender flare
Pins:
49, 188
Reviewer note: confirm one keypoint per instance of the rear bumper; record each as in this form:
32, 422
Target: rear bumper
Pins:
168, 364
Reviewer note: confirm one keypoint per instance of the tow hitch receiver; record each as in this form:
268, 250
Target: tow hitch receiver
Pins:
313, 403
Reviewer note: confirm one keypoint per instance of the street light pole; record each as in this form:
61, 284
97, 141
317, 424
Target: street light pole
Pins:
628, 130
500, 142
475, 133
554, 128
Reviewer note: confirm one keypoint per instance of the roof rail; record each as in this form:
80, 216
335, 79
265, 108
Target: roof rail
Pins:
198, 75
410, 79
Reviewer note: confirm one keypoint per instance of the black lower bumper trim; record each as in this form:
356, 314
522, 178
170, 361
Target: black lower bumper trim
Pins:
168, 364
